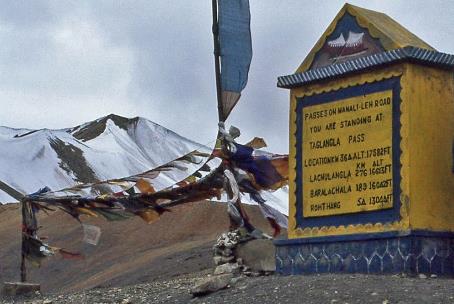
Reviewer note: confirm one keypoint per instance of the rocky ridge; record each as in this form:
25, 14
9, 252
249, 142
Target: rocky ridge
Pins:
106, 148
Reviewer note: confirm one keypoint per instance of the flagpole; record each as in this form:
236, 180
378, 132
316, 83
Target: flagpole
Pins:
217, 67
23, 267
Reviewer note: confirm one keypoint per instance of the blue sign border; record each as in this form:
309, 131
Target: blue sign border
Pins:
376, 216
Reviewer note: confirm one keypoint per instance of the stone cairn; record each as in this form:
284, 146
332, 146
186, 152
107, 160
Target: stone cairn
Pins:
224, 253
229, 250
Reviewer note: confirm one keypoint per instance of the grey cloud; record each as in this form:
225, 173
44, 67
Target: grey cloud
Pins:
22, 14
67, 62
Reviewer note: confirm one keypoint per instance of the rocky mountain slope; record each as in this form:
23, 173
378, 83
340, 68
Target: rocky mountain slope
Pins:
128, 252
160, 263
109, 147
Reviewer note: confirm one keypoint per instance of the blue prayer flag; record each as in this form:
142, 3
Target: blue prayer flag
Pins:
235, 50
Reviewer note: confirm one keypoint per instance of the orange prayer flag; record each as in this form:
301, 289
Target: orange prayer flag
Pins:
149, 215
144, 186
86, 211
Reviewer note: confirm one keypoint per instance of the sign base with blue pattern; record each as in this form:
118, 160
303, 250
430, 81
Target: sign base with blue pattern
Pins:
387, 253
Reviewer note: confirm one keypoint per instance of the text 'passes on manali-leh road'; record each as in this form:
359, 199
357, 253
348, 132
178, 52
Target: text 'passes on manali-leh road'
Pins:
347, 155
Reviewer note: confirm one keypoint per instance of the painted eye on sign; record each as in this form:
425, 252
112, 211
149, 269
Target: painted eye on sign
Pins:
347, 155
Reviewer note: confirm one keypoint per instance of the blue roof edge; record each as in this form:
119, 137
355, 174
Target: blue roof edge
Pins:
410, 53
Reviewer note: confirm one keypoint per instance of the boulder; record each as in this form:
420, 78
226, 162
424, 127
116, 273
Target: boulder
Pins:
211, 284
257, 254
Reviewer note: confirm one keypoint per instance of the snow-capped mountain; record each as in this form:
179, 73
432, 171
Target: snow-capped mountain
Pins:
109, 147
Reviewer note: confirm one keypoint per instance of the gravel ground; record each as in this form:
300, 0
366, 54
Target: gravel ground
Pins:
329, 288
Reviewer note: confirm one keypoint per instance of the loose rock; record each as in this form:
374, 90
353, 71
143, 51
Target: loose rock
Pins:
218, 260
227, 268
211, 284
19, 288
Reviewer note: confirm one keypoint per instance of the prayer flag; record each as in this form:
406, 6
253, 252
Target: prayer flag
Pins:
91, 234
235, 50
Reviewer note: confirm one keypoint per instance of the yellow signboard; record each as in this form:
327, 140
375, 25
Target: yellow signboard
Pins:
347, 155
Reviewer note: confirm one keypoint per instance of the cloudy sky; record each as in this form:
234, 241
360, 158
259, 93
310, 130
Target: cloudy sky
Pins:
63, 63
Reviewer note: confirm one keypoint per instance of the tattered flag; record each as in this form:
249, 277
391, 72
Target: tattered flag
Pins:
235, 50
91, 234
